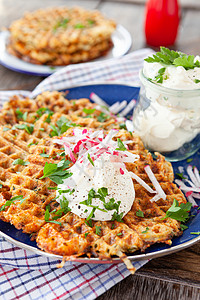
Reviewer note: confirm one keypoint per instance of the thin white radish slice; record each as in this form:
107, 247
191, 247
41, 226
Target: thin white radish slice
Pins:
192, 176
192, 201
155, 182
142, 182
155, 198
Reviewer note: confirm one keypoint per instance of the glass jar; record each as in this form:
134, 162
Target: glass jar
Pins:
168, 120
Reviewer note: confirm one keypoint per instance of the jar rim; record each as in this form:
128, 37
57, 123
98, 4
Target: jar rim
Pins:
167, 90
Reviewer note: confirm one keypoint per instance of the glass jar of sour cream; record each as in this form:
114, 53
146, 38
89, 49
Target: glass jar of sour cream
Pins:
168, 118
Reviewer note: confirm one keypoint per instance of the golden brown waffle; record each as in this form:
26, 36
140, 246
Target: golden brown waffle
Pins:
74, 236
61, 36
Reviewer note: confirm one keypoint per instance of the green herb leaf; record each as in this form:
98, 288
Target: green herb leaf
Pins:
112, 204
122, 126
56, 172
12, 201
120, 233
196, 80
183, 227
102, 117
117, 217
170, 57
89, 111
20, 161
29, 128
21, 115
121, 146
62, 23
189, 160
90, 160
98, 230
198, 232
139, 213
79, 26
179, 213
62, 125
1, 186
6, 128
86, 234
180, 175
145, 231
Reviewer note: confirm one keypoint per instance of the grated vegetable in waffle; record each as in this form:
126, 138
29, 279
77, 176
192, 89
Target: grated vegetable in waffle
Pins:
61, 36
27, 130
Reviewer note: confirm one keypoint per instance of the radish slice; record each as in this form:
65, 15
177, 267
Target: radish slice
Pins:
155, 198
192, 201
192, 176
196, 172
155, 182
142, 182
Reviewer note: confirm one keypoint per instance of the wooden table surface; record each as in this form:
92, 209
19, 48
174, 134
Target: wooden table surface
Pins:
175, 276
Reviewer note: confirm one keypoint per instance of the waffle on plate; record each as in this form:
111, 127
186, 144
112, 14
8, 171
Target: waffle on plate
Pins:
28, 129
61, 36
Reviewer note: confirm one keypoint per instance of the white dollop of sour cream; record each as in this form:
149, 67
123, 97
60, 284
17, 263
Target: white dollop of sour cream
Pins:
105, 173
100, 166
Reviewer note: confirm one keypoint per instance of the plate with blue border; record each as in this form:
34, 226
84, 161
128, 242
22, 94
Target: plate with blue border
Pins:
112, 93
121, 39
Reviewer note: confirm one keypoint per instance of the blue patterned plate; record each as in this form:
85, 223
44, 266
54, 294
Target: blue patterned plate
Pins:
112, 93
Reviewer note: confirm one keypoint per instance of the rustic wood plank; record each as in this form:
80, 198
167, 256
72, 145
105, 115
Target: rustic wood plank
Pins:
139, 287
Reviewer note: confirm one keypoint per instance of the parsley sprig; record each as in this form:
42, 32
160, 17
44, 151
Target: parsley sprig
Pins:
57, 172
12, 201
175, 58
28, 128
178, 212
61, 126
21, 162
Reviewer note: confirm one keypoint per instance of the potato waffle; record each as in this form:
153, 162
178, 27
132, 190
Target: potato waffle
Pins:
61, 36
34, 145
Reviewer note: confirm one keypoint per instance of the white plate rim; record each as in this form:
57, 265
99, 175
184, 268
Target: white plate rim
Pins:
16, 64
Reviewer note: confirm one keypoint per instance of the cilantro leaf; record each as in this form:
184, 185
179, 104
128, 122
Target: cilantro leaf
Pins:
62, 125
28, 128
146, 230
62, 23
102, 117
112, 204
21, 115
117, 217
12, 201
198, 232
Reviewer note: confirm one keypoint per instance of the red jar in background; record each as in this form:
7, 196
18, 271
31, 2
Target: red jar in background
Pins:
161, 22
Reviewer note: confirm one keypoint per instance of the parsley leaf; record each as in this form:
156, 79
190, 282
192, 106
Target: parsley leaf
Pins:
28, 128
117, 217
139, 213
196, 80
86, 234
21, 162
79, 26
98, 230
121, 146
145, 231
189, 160
90, 160
112, 204
175, 58
47, 217
11, 201
61, 126
102, 117
44, 154
180, 175
89, 111
62, 23
179, 213
183, 227
21, 115
57, 172
198, 232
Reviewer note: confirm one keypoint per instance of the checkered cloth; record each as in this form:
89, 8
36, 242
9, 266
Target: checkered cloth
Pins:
26, 275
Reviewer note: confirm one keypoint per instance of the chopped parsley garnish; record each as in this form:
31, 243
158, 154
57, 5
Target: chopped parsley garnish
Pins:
21, 115
47, 217
88, 223
79, 26
146, 230
43, 154
111, 204
120, 233
12, 201
180, 175
175, 58
21, 162
121, 146
102, 117
139, 213
90, 22
98, 230
30, 144
63, 23
159, 78
28, 128
86, 234
183, 227
189, 160
178, 212
198, 232
90, 160
57, 172
89, 111
45, 110
122, 126
1, 186
61, 126
196, 80
117, 217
